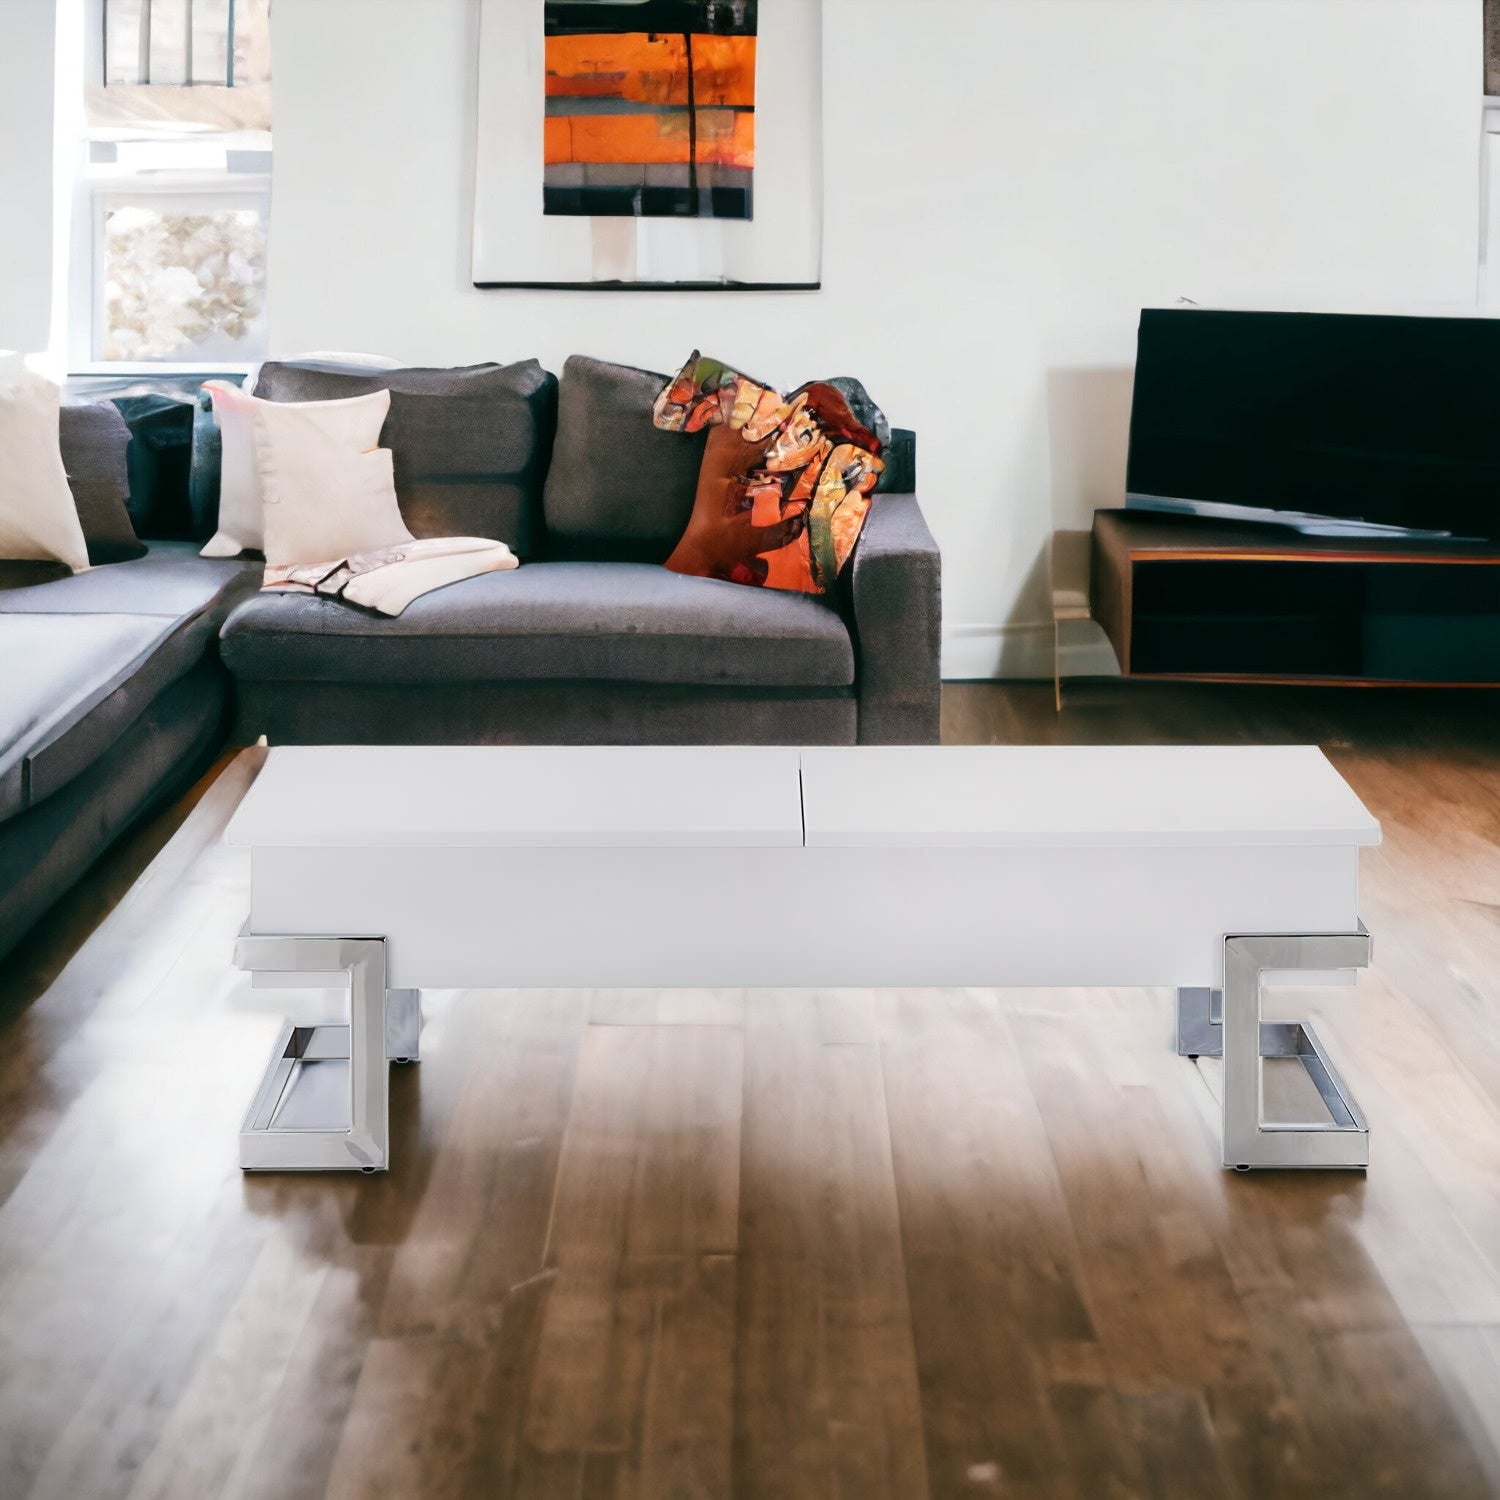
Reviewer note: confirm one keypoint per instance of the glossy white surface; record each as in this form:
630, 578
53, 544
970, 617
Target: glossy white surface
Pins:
380, 796
1153, 796
867, 796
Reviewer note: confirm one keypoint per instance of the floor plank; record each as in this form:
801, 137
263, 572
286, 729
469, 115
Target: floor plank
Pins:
827, 1399
635, 1359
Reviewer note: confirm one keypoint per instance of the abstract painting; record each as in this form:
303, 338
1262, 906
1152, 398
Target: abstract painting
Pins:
650, 108
643, 145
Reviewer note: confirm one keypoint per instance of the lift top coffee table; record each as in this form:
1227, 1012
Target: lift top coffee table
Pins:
1207, 869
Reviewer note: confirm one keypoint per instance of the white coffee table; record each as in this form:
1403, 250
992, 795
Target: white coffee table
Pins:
1205, 869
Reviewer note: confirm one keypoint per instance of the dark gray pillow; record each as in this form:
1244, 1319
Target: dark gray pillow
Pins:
94, 440
470, 446
619, 487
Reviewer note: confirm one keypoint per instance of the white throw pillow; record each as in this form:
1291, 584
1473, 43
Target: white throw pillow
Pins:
327, 488
303, 481
38, 519
241, 528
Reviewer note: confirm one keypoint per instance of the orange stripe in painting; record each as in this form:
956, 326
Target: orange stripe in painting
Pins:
651, 68
585, 86
725, 139
724, 69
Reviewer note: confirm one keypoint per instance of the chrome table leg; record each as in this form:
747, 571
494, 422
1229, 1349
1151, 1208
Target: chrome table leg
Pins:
1200, 1023
403, 1025
1229, 1025
324, 1103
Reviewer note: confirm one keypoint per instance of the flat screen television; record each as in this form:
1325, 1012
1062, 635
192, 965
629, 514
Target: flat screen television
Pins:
1332, 422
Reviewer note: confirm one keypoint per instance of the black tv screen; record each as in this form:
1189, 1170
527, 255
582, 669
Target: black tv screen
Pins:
1389, 420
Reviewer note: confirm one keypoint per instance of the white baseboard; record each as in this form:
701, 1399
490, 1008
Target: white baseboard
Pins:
973, 652
1025, 652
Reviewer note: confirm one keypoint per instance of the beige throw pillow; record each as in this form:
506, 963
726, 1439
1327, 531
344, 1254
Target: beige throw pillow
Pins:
327, 486
38, 519
304, 482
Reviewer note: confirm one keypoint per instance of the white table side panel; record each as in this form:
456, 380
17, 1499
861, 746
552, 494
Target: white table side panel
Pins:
715, 917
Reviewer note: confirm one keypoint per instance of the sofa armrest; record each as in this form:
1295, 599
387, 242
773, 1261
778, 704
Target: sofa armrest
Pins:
896, 621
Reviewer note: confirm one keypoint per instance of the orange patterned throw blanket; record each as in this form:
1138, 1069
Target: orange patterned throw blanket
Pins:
785, 482
388, 579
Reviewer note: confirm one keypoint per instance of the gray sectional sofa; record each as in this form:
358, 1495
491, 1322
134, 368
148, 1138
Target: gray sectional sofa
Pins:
120, 684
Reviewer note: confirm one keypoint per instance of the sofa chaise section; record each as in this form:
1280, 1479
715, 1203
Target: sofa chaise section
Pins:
113, 701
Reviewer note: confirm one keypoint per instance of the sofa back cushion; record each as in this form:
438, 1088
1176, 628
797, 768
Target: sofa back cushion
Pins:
159, 458
94, 440
470, 445
619, 488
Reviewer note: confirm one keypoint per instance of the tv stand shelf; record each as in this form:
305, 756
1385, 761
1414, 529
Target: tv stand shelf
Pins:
1210, 600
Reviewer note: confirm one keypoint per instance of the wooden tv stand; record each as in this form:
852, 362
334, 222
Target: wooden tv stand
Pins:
1208, 600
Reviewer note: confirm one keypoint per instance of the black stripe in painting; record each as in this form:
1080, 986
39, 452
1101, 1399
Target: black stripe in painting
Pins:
643, 201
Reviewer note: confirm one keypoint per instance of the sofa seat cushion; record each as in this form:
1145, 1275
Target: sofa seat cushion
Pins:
631, 622
82, 657
69, 684
171, 579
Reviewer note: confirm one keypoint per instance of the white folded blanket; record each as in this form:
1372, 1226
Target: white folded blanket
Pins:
389, 578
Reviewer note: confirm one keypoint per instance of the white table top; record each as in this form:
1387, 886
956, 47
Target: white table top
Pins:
377, 796
991, 796
732, 796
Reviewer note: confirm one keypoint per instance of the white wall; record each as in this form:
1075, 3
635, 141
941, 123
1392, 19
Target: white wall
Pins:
26, 72
1008, 183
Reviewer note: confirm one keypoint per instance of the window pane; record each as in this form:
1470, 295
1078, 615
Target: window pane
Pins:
211, 42
122, 40
170, 23
183, 285
252, 42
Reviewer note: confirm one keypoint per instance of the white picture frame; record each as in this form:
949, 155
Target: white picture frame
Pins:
516, 245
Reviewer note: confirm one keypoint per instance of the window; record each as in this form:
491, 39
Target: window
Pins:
172, 207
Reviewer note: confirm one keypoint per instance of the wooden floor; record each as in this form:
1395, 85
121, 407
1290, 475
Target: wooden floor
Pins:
774, 1244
